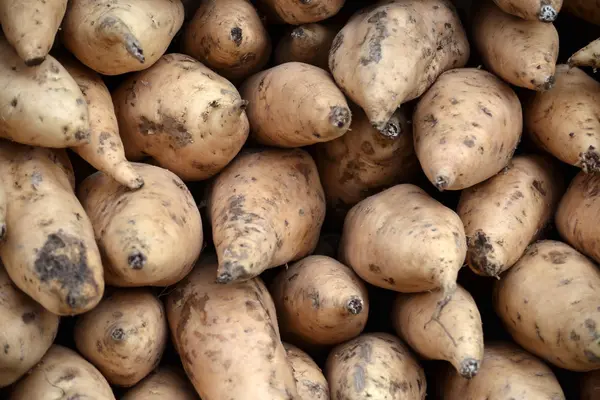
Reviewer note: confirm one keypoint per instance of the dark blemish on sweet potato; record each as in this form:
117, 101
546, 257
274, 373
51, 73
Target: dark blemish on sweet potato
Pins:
313, 295
236, 35
430, 118
537, 185
469, 142
485, 110
374, 268
28, 317
374, 45
479, 253
136, 259
339, 116
590, 160
367, 148
539, 333
178, 135
14, 102
69, 375
556, 257
293, 276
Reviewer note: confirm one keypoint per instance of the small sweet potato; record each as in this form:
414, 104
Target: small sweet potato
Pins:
295, 12
309, 44
165, 383
310, 381
534, 10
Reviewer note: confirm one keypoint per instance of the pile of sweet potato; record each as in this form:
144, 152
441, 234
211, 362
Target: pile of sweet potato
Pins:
299, 200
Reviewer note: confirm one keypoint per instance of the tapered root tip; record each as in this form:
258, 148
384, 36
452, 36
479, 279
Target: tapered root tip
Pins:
590, 160
547, 13
469, 368
297, 33
35, 61
224, 278
355, 306
339, 116
118, 334
136, 260
136, 183
134, 48
480, 254
548, 84
232, 271
441, 183
391, 130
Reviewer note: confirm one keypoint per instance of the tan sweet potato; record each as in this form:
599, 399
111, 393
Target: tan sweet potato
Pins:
549, 304
563, 120
114, 37
530, 59
588, 10
309, 44
285, 111
319, 301
228, 36
300, 12
28, 331
590, 386
588, 56
228, 337
63, 374
310, 381
163, 384
507, 372
266, 209
504, 214
31, 25
364, 54
534, 10
149, 237
377, 366
50, 253
124, 336
466, 128
404, 240
188, 118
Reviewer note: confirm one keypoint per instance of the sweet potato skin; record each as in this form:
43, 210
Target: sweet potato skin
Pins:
300, 12
590, 385
588, 56
308, 43
533, 10
310, 381
584, 9
163, 383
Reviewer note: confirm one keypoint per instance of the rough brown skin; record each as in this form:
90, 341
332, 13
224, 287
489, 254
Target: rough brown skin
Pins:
466, 128
377, 366
549, 304
364, 54
296, 12
404, 240
319, 301
504, 214
563, 121
309, 44
310, 381
362, 162
588, 56
28, 331
228, 36
114, 37
529, 61
25, 115
149, 237
31, 25
163, 383
105, 150
440, 328
124, 336
285, 111
577, 212
585, 9
188, 118
507, 372
590, 386
50, 252
533, 10
233, 329
266, 209
63, 374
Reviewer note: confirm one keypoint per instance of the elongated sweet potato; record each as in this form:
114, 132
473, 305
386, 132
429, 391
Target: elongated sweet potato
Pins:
320, 301
310, 381
162, 384
50, 253
300, 12
563, 120
587, 10
534, 10
235, 355
309, 44
364, 54
529, 61
189, 119
588, 56
404, 240
549, 304
288, 112
377, 366
590, 386
266, 209
507, 372
114, 37
466, 128
149, 237
504, 214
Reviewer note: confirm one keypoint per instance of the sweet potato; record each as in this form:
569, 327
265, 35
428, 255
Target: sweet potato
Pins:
300, 12
504, 214
377, 366
162, 384
149, 237
42, 105
530, 59
534, 10
285, 111
404, 240
228, 337
228, 36
588, 56
319, 301
309, 44
363, 161
507, 372
587, 10
105, 150
188, 118
440, 328
466, 128
364, 54
28, 331
50, 252
549, 304
124, 336
114, 37
310, 381
266, 209
590, 386
568, 132
31, 25
63, 374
